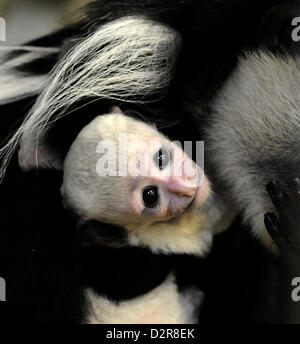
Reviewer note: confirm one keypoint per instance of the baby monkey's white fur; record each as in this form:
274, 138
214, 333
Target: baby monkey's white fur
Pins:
162, 305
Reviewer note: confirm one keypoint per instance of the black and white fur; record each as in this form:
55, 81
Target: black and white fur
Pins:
120, 61
168, 77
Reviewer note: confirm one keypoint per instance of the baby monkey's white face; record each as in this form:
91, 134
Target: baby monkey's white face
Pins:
168, 183
123, 172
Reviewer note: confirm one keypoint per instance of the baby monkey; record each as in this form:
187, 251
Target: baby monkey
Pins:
140, 198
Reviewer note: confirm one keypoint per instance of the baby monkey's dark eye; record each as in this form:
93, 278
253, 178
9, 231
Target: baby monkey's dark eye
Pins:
150, 196
162, 158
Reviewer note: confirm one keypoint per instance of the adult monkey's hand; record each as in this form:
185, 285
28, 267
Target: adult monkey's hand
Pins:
285, 231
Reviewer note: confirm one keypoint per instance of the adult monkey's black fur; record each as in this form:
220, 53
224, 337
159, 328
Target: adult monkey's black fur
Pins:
206, 59
264, 107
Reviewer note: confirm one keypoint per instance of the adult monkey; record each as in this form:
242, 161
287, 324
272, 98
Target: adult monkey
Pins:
253, 137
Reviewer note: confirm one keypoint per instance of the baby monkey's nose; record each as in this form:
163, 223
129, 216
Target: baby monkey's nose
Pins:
181, 187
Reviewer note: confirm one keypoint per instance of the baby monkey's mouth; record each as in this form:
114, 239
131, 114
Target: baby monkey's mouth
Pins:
201, 195
195, 203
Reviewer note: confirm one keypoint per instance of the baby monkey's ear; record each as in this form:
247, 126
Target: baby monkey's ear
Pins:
116, 109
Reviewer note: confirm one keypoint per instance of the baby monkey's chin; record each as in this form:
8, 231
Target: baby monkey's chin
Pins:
202, 194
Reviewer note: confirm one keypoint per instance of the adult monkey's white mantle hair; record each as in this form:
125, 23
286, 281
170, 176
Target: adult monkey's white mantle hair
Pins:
15, 86
127, 59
